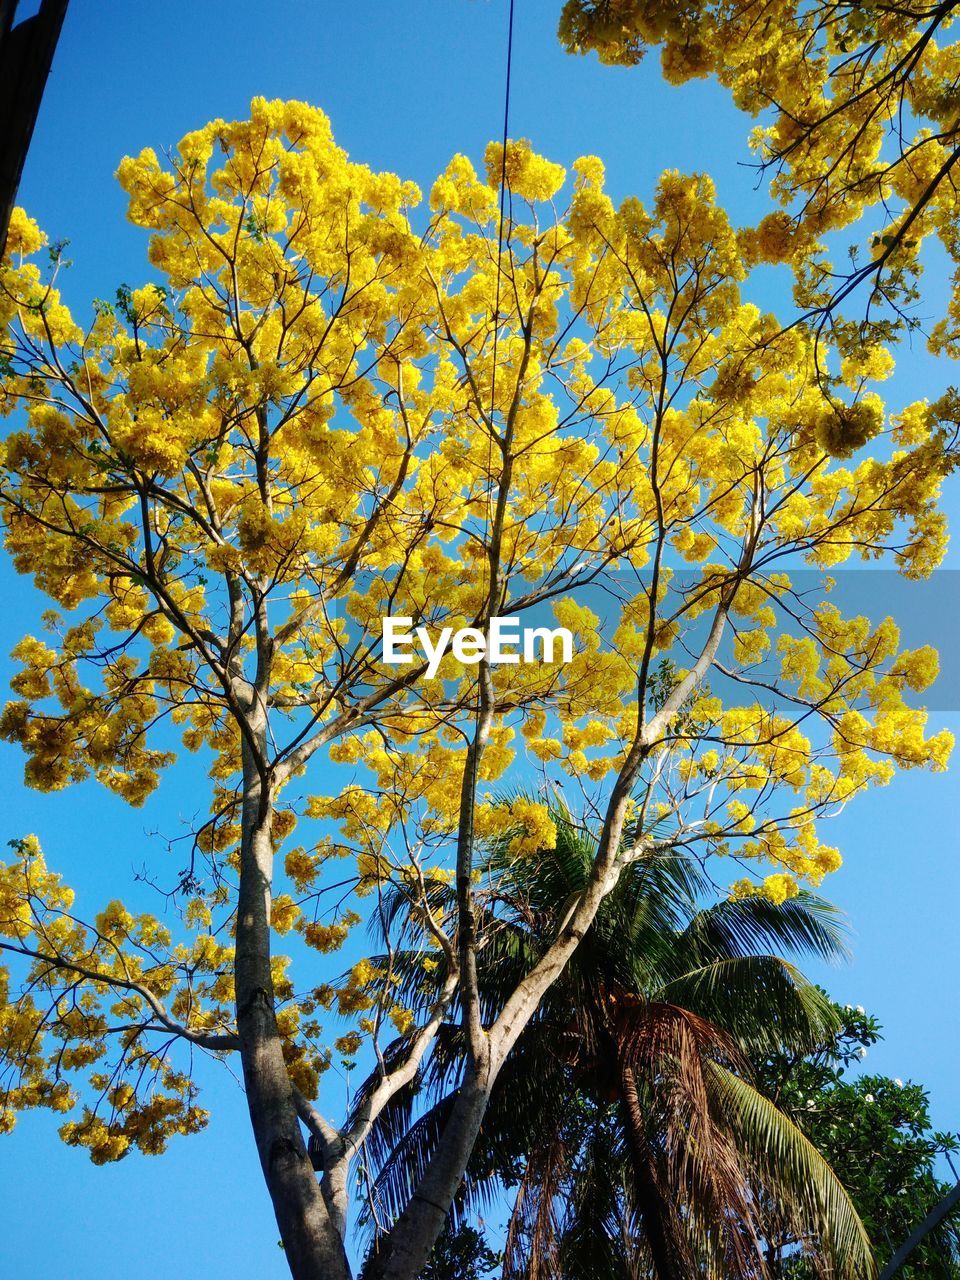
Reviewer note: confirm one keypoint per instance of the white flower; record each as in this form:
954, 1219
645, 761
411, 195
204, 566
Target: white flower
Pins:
861, 1009
810, 1104
898, 1082
862, 1051
868, 1097
849, 1008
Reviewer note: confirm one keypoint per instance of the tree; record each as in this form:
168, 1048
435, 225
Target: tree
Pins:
862, 106
626, 1118
330, 406
878, 1132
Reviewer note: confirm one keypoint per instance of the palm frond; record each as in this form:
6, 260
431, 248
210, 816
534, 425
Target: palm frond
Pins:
600, 1238
530, 1252
806, 1186
806, 925
691, 1188
404, 1165
764, 1002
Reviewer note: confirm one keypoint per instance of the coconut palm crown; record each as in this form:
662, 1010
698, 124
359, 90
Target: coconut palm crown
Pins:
626, 1125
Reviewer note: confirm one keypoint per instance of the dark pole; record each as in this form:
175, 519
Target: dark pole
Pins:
930, 1223
26, 55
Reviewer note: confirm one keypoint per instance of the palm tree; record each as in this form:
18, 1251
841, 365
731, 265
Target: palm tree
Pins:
625, 1119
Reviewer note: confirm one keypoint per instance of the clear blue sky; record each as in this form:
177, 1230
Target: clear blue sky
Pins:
406, 85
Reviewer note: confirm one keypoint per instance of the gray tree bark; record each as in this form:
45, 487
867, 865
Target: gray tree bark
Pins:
312, 1242
403, 1253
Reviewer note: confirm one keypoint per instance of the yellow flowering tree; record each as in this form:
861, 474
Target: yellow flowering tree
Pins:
334, 403
860, 116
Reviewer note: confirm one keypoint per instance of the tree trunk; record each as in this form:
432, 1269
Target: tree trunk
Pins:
313, 1246
403, 1253
649, 1200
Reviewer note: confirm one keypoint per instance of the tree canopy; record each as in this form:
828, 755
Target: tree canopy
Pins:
877, 1130
859, 115
335, 401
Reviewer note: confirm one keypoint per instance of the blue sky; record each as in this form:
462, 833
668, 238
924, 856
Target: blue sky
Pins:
406, 86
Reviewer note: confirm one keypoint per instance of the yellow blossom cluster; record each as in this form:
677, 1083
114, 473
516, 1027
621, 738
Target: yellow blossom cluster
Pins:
228, 478
859, 119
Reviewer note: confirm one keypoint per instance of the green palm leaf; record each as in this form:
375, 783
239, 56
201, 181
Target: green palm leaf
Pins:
806, 924
806, 1187
685, 1164
764, 1002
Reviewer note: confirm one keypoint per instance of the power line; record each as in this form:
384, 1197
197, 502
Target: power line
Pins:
503, 196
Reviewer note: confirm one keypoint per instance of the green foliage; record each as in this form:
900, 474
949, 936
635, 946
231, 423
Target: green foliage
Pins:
877, 1133
461, 1253
625, 1124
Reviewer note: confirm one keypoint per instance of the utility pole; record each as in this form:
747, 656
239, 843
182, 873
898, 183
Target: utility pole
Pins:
26, 55
930, 1223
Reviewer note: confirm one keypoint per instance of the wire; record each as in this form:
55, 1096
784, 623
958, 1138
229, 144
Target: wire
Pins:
503, 196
